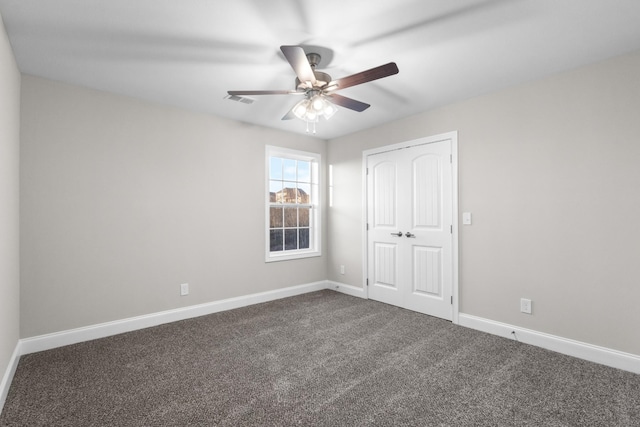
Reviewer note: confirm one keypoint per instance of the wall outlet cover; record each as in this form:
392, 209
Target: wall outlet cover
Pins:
525, 305
184, 289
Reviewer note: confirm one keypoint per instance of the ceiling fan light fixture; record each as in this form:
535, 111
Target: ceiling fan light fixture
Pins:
318, 103
329, 110
312, 108
300, 109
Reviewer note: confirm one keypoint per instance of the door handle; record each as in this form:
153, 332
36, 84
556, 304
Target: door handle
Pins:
410, 235
399, 234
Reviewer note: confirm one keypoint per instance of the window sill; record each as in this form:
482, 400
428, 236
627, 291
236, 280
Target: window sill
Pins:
291, 256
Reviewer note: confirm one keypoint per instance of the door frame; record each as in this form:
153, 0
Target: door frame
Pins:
453, 137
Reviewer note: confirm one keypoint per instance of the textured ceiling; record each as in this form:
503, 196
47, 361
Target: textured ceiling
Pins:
188, 53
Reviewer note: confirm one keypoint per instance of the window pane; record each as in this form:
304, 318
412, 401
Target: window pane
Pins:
275, 243
289, 170
290, 217
304, 193
303, 217
290, 240
304, 238
288, 193
304, 171
275, 168
275, 217
275, 188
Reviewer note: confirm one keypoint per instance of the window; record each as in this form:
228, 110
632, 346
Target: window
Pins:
292, 204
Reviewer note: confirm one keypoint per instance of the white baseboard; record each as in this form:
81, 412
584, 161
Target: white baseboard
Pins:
593, 353
354, 291
8, 375
73, 336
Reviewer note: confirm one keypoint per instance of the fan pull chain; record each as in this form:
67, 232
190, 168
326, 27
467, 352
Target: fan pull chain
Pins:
313, 128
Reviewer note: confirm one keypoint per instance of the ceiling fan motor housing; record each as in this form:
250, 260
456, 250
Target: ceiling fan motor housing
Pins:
314, 59
321, 80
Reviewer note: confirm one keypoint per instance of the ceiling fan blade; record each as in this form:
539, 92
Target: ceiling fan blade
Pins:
349, 103
289, 115
299, 62
376, 73
264, 92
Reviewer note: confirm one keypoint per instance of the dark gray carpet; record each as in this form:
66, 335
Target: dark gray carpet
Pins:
318, 359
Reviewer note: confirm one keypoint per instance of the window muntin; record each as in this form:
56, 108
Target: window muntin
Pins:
293, 214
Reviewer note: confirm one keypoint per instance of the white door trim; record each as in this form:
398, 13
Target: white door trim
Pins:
453, 137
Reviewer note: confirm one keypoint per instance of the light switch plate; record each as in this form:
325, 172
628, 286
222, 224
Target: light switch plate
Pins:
466, 218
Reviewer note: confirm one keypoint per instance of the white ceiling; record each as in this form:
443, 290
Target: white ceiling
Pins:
188, 53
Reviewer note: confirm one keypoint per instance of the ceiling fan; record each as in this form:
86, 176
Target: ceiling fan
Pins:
318, 88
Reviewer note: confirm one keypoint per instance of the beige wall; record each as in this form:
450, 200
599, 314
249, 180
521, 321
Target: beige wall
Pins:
9, 201
551, 172
123, 200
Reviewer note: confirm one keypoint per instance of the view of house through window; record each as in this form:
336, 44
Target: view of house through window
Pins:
292, 204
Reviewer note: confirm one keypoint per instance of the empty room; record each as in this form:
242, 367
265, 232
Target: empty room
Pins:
344, 213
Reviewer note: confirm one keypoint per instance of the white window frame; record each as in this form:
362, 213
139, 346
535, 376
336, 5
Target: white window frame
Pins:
315, 220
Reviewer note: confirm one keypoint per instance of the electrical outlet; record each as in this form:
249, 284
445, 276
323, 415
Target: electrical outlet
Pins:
184, 289
525, 305
342, 269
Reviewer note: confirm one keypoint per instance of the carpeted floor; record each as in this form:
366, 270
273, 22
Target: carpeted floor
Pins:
320, 359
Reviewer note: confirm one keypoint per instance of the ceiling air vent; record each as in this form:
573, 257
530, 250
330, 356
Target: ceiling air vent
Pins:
238, 98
